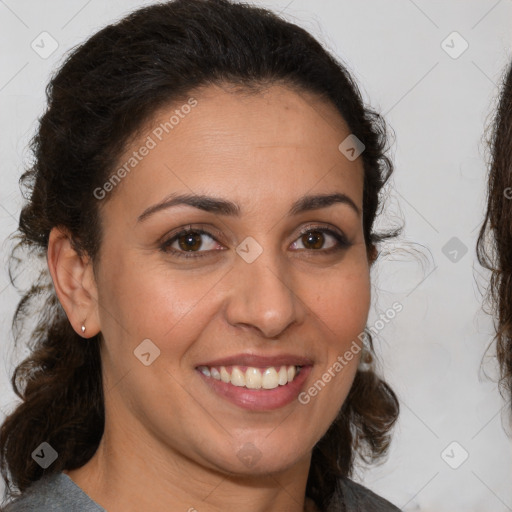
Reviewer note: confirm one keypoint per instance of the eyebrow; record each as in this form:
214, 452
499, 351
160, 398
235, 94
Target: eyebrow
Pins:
225, 207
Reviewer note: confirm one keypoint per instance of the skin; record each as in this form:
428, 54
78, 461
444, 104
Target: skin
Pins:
170, 443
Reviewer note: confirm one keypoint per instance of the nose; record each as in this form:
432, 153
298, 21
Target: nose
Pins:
262, 296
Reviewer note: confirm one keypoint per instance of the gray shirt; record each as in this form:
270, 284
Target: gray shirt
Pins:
58, 493
54, 493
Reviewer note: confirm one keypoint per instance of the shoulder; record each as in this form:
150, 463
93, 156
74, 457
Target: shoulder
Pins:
358, 498
53, 493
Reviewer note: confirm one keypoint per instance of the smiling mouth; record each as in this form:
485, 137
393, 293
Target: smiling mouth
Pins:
251, 377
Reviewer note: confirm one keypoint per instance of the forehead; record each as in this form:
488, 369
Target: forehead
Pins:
276, 115
277, 142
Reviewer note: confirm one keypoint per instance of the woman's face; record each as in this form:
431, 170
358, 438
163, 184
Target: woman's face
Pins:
267, 277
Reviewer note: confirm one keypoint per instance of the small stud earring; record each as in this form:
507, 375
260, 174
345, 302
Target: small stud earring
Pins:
83, 328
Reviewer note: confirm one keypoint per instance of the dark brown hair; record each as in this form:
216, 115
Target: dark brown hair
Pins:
105, 91
494, 245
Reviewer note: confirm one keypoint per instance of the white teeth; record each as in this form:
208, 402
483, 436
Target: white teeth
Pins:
253, 378
269, 379
237, 377
282, 376
224, 375
205, 371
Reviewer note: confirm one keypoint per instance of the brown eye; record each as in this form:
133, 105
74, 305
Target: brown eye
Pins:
190, 241
313, 240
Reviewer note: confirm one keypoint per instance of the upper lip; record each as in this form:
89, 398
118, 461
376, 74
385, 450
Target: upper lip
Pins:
260, 361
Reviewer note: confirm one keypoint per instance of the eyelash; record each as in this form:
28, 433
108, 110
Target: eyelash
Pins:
343, 243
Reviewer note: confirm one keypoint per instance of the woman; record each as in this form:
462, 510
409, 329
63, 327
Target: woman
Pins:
494, 245
205, 184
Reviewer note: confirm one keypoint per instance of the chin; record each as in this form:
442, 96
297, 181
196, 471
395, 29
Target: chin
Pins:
250, 460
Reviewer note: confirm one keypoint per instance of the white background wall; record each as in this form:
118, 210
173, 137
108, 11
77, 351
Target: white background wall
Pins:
437, 105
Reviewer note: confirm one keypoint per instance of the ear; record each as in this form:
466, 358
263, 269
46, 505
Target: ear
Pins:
74, 282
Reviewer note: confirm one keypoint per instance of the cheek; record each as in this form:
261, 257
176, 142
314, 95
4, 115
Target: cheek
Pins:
141, 294
343, 305
340, 315
170, 308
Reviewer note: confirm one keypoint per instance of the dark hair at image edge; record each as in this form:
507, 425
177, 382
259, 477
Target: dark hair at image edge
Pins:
108, 89
494, 245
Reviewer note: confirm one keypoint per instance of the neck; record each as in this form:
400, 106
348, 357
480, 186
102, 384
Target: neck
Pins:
131, 473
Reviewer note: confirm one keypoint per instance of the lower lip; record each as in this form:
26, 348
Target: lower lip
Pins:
259, 399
